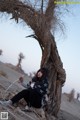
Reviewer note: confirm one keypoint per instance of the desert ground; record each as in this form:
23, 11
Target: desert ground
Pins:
68, 110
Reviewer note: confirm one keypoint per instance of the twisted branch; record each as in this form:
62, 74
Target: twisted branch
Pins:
20, 10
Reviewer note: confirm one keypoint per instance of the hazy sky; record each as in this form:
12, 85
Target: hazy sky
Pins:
13, 41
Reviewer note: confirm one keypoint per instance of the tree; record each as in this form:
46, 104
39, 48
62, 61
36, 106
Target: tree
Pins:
21, 56
78, 96
1, 52
41, 16
71, 95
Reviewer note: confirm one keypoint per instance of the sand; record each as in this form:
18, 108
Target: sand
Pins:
68, 110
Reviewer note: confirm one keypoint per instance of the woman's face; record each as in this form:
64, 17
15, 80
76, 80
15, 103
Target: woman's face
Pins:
39, 74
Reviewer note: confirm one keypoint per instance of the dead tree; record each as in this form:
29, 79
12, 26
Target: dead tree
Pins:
71, 95
1, 52
78, 96
21, 56
41, 17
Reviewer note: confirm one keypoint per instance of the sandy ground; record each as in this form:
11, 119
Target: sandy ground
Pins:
63, 115
72, 107
68, 110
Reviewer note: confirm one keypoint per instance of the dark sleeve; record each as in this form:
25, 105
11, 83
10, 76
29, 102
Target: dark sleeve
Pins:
33, 79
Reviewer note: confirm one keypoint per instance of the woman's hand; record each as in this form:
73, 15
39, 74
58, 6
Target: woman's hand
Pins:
32, 84
21, 79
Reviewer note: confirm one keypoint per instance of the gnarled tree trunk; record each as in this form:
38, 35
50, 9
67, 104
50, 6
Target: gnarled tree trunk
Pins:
40, 22
51, 60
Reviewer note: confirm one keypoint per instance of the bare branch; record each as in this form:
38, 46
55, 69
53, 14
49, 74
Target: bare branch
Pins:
20, 10
30, 35
50, 11
39, 41
42, 7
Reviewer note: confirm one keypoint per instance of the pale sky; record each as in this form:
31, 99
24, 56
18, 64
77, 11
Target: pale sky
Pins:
13, 41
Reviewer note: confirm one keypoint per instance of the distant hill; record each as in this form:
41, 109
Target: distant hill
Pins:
18, 69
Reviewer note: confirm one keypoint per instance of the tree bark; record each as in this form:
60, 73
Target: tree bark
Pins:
51, 60
41, 25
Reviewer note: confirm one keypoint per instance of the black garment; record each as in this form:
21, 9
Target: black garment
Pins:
31, 96
34, 95
41, 85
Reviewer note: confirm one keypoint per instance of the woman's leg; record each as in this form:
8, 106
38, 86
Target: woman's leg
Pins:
35, 99
23, 94
31, 97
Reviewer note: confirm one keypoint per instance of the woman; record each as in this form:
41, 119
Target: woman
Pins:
35, 91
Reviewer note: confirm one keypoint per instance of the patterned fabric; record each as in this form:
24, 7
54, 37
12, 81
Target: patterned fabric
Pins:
41, 86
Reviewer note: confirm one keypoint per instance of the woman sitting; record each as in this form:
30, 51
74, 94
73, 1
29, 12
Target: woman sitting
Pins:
34, 92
